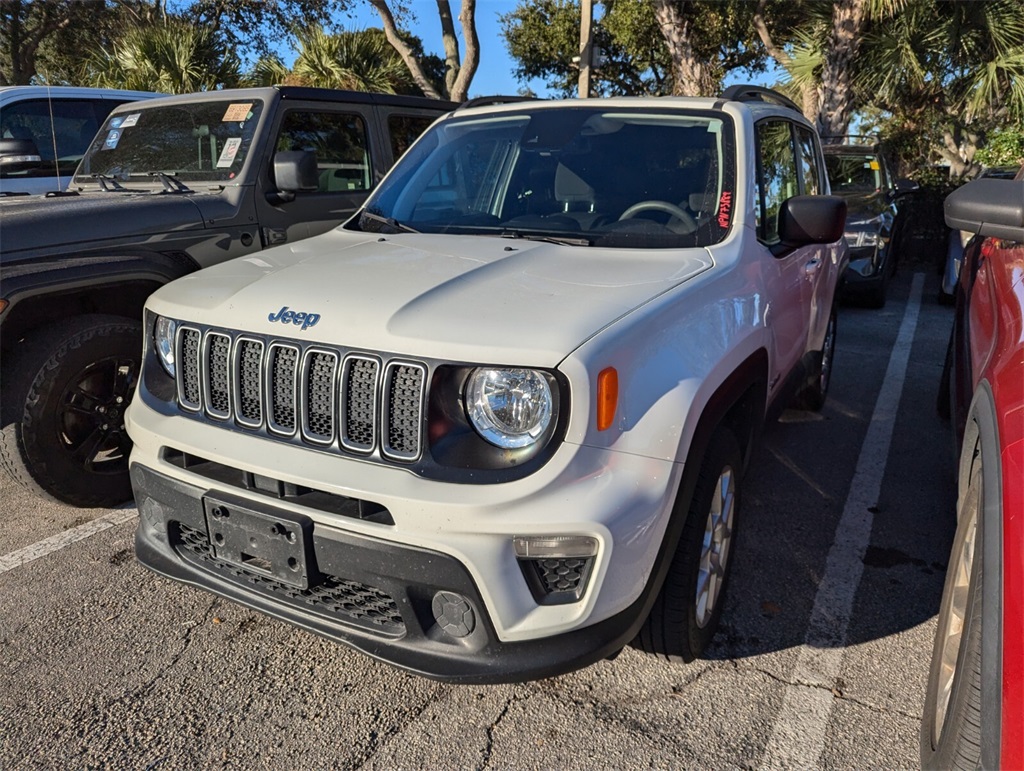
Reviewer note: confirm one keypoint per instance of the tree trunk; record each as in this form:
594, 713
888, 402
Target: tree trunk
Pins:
452, 62
393, 36
835, 93
808, 96
690, 75
467, 18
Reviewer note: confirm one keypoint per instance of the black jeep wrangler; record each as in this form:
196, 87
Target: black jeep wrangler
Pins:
168, 186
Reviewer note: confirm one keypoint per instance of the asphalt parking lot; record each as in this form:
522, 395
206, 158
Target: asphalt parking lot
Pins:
847, 519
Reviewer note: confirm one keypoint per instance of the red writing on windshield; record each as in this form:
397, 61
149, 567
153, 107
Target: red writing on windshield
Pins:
724, 209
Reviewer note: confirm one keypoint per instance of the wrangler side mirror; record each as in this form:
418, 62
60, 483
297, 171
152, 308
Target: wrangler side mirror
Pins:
295, 171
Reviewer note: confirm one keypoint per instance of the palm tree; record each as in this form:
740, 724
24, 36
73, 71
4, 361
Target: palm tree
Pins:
172, 56
950, 71
360, 60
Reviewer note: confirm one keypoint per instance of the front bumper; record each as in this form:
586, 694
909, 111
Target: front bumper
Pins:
414, 608
412, 538
865, 267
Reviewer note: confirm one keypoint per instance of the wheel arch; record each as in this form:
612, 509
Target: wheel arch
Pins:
71, 286
738, 404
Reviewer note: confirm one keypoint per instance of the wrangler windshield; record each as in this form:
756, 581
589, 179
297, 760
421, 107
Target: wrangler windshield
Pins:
206, 141
573, 175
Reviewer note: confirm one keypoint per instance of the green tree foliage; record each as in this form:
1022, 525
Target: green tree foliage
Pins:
1004, 148
356, 60
946, 75
648, 46
172, 56
45, 40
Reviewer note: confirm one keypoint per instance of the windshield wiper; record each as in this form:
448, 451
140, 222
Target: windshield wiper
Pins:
108, 184
389, 221
171, 183
547, 238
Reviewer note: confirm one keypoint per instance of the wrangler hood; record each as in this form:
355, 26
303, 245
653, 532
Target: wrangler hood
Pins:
27, 223
459, 298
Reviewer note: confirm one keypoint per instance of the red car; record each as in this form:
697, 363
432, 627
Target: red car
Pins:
974, 709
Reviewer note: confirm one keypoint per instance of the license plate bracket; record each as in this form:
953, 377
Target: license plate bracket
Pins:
276, 545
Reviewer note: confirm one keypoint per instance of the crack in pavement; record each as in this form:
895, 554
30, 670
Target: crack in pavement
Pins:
489, 747
835, 690
379, 739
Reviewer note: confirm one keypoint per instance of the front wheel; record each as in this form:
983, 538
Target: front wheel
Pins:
65, 393
686, 612
951, 728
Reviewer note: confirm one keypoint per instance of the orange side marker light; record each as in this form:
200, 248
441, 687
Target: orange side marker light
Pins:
607, 397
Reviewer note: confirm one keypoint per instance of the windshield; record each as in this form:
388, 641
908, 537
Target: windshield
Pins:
854, 173
576, 175
197, 141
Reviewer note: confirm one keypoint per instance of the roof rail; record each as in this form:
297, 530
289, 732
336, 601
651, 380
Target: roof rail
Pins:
851, 139
484, 101
748, 93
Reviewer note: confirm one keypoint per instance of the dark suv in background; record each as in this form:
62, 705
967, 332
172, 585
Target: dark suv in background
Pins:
859, 172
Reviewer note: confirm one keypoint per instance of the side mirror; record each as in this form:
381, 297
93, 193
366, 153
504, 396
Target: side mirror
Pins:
988, 207
905, 185
295, 171
811, 219
18, 155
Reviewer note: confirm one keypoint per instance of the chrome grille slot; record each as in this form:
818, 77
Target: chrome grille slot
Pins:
339, 400
359, 403
318, 390
218, 399
281, 377
403, 410
249, 382
188, 371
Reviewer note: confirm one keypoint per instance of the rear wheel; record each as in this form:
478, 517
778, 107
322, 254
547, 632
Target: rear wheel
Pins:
951, 728
65, 393
814, 394
686, 612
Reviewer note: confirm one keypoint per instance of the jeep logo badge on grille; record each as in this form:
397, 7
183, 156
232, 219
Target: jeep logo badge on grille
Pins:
285, 316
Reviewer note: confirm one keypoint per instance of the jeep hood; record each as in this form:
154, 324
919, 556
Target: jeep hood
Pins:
62, 222
460, 298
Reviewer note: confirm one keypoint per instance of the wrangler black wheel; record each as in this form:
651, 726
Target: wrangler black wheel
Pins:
65, 394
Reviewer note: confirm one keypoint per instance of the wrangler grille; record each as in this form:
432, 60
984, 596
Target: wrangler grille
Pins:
346, 401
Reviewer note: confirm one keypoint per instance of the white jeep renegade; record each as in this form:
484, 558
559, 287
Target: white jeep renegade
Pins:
494, 427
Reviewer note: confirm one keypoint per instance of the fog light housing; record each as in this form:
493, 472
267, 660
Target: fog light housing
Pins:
556, 568
453, 614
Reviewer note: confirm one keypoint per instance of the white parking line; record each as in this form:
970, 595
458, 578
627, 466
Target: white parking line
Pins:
57, 542
798, 737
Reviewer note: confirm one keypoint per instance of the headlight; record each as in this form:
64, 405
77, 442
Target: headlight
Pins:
163, 340
509, 407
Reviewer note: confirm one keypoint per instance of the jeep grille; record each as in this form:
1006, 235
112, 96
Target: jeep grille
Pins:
333, 398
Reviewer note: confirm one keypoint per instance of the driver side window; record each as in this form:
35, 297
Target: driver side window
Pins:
777, 175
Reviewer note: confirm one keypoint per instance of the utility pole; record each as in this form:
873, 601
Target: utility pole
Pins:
586, 46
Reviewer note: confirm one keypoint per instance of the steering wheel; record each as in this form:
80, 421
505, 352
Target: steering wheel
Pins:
689, 223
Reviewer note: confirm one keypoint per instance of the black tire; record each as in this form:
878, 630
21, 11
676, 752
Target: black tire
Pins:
951, 729
62, 424
944, 397
814, 394
875, 296
679, 627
